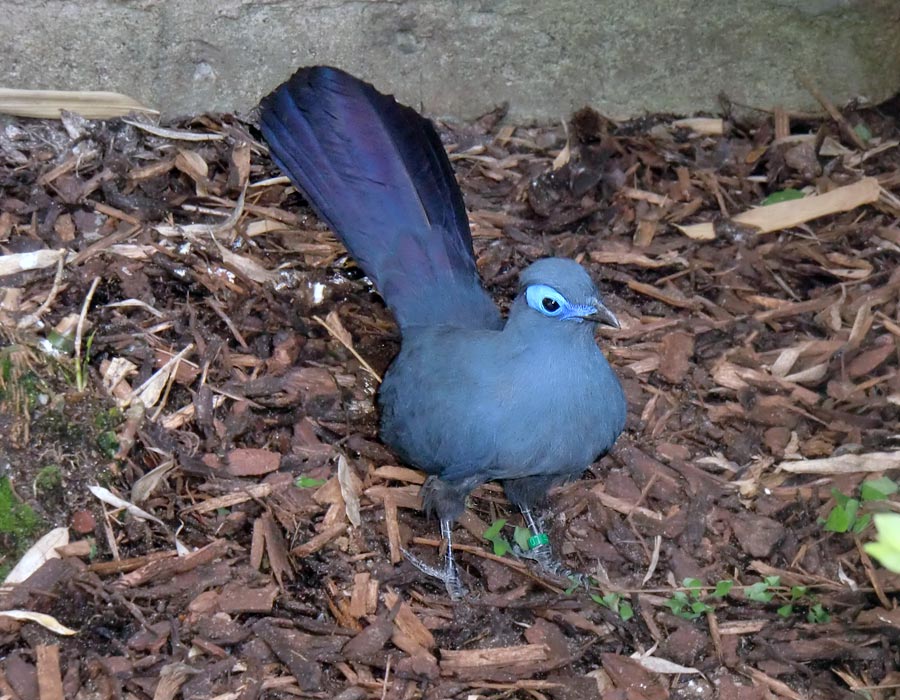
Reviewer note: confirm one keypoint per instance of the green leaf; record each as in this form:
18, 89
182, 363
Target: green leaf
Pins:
798, 592
786, 610
494, 529
501, 546
700, 608
611, 601
877, 489
695, 584
887, 556
888, 527
839, 498
785, 195
676, 606
772, 580
759, 592
626, 612
520, 536
838, 520
598, 599
63, 344
682, 598
863, 131
722, 589
307, 482
862, 523
886, 549
819, 615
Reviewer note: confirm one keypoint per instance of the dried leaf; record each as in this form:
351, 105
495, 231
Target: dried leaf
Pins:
776, 217
147, 484
12, 263
38, 554
51, 623
351, 487
108, 497
50, 104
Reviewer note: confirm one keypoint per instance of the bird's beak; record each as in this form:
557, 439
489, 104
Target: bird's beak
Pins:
602, 315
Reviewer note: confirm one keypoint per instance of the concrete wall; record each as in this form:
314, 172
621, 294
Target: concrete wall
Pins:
462, 57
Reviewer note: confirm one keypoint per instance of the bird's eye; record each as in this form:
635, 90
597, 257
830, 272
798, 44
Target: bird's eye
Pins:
546, 300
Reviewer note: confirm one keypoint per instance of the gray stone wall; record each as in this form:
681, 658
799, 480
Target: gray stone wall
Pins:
460, 58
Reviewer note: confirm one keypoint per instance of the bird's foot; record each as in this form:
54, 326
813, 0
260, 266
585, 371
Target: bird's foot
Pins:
449, 574
542, 554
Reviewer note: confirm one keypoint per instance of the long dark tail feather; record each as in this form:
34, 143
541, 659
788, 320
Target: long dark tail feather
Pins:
376, 172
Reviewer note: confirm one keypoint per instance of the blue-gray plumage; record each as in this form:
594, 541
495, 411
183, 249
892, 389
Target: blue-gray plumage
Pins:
531, 402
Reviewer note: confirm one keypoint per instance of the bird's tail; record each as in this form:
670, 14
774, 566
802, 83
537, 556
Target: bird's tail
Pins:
375, 171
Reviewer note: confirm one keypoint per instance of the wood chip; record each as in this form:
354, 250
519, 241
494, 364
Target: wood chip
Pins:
406, 619
250, 461
776, 217
455, 661
676, 350
392, 524
48, 673
359, 596
707, 126
844, 464
316, 543
50, 104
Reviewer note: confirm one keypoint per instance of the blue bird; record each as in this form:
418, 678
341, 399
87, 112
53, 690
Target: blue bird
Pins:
530, 402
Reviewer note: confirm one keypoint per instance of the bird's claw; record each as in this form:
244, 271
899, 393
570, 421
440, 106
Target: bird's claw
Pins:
542, 555
449, 574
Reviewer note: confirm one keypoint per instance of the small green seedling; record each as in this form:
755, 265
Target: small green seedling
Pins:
818, 615
498, 541
770, 589
689, 605
800, 595
616, 603
521, 535
81, 364
878, 489
722, 588
761, 591
307, 482
845, 516
797, 593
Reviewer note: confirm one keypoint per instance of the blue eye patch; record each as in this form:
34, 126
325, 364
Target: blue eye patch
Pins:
547, 301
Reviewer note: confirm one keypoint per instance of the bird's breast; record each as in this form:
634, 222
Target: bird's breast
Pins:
460, 405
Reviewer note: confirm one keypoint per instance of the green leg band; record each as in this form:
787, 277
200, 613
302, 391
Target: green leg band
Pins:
537, 540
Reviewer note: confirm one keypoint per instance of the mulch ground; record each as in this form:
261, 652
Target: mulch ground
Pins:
186, 337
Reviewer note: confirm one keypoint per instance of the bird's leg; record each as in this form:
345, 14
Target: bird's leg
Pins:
449, 574
540, 551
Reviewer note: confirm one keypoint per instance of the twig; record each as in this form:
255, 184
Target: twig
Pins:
79, 330
833, 112
34, 319
337, 336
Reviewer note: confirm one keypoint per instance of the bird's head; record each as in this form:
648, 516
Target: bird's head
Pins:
561, 289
